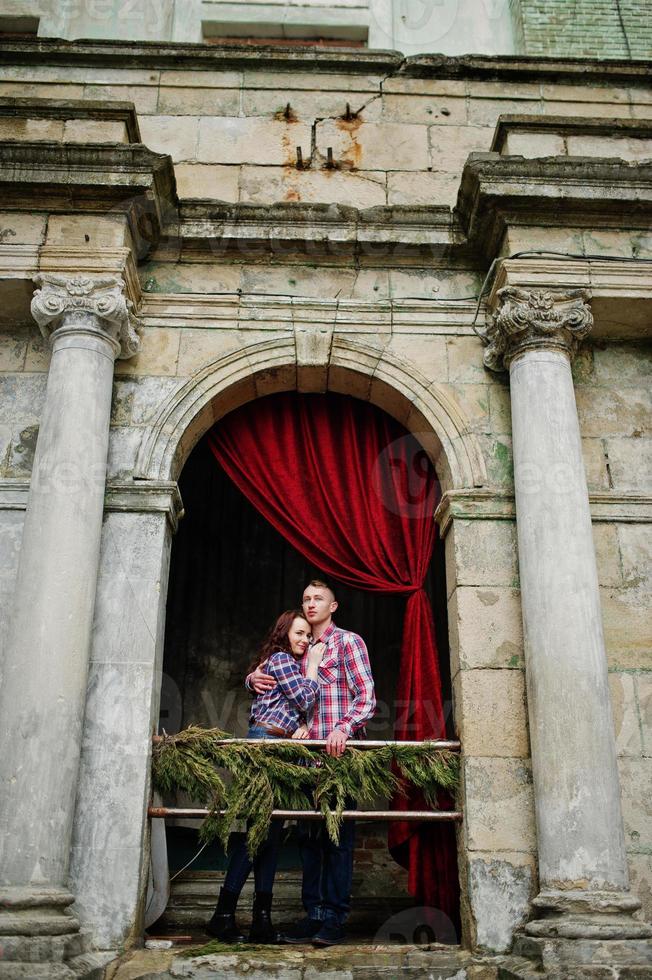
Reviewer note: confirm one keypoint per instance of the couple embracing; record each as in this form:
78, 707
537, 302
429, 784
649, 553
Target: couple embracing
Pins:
311, 680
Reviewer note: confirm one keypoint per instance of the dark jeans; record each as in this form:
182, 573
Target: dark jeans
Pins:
327, 870
264, 864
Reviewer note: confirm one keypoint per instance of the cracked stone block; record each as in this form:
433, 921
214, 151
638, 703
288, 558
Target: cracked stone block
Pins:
501, 888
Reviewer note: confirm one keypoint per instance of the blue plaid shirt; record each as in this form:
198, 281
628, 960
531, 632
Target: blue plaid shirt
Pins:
294, 695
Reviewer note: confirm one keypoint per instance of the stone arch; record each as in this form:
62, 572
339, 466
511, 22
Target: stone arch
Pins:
304, 363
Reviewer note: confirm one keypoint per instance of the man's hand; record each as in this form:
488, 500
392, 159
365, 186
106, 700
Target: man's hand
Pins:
316, 653
336, 743
301, 732
260, 681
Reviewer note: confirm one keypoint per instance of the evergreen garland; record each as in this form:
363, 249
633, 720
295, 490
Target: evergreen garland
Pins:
290, 777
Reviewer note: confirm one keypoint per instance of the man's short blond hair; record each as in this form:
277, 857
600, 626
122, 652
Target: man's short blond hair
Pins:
319, 583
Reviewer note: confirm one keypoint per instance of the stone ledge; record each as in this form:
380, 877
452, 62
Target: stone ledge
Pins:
569, 126
65, 109
330, 224
354, 60
121, 178
484, 505
129, 496
146, 496
497, 191
208, 57
499, 505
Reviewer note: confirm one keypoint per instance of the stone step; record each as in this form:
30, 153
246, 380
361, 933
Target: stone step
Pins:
519, 968
556, 954
90, 966
36, 971
346, 962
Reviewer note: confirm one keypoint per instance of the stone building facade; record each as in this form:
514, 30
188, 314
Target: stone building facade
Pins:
464, 243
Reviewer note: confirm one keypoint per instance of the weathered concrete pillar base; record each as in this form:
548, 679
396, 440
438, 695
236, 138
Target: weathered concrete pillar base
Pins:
561, 956
587, 915
37, 932
26, 911
40, 937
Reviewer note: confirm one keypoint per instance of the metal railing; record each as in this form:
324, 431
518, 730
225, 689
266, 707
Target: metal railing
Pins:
198, 813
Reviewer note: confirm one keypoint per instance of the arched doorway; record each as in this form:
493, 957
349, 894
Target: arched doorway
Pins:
140, 524
231, 573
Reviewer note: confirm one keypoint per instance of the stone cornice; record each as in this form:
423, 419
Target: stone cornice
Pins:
321, 227
494, 504
65, 303
98, 178
489, 504
146, 496
129, 496
95, 110
539, 319
207, 57
624, 279
46, 51
497, 191
570, 126
513, 67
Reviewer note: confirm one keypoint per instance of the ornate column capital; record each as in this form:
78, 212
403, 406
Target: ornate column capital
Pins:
70, 300
534, 320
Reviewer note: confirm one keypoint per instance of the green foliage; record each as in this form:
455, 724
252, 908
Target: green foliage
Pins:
265, 776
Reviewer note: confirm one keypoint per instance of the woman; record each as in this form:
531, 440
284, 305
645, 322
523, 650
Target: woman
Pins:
279, 713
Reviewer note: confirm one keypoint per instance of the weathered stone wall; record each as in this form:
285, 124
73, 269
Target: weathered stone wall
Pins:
229, 139
613, 399
407, 143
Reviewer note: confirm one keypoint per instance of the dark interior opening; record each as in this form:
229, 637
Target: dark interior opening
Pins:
231, 575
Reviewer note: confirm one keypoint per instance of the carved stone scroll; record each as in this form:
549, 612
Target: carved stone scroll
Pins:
527, 319
66, 300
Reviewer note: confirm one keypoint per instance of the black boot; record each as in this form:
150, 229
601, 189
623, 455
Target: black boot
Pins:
262, 930
223, 925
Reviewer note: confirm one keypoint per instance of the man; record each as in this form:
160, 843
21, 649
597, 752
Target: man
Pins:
346, 701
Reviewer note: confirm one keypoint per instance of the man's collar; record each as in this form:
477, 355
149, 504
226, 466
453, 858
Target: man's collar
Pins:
328, 632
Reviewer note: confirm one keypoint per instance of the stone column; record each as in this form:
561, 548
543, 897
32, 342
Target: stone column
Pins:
43, 689
582, 861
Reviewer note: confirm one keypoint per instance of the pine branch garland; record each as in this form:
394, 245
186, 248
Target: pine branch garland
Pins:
268, 776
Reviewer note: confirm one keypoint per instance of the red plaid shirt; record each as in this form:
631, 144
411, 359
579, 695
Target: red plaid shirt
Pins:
346, 688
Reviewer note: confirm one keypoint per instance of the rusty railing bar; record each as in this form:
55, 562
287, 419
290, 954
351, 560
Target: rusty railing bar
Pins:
409, 815
319, 743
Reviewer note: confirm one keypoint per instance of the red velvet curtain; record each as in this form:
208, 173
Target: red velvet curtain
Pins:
353, 492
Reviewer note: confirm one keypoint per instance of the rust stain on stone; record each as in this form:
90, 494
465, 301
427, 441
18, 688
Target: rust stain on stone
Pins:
290, 176
286, 114
353, 154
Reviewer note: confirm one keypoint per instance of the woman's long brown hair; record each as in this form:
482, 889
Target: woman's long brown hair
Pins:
277, 638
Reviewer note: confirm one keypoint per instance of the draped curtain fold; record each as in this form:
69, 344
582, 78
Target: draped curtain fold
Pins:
354, 493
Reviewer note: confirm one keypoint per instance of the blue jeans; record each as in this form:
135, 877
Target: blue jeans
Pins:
327, 870
264, 864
